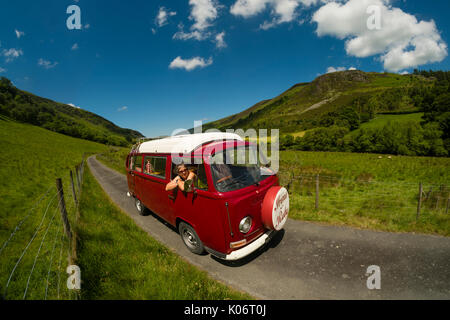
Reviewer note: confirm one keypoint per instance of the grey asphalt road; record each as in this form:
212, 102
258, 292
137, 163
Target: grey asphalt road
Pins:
312, 261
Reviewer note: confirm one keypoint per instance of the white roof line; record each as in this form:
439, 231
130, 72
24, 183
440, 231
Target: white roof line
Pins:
184, 143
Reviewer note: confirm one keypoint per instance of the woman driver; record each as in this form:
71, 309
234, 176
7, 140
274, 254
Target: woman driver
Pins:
183, 175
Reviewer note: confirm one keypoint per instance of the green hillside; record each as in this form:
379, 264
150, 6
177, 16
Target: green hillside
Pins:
301, 107
26, 107
117, 259
382, 120
355, 111
32, 158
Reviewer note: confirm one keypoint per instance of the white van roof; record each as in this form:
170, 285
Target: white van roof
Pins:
184, 143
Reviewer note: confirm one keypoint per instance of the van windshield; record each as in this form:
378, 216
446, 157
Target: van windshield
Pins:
237, 168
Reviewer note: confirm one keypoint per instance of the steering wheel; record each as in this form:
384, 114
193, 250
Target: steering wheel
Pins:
223, 179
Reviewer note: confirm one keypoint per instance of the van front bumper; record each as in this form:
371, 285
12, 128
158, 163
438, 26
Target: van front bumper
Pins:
245, 251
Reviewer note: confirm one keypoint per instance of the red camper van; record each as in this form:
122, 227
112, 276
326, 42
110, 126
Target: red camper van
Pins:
231, 208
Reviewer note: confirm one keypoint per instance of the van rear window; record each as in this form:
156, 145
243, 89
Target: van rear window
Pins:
137, 163
155, 166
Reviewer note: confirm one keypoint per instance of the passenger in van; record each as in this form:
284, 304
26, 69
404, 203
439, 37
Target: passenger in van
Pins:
183, 175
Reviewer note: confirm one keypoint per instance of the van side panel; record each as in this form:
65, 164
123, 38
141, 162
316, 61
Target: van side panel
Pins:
203, 212
153, 192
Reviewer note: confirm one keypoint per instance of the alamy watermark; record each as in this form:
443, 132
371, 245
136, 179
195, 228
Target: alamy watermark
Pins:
256, 154
74, 279
374, 277
74, 20
374, 20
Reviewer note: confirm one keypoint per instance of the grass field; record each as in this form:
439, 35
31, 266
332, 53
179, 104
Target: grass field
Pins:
120, 261
115, 158
361, 190
32, 158
117, 260
368, 190
382, 119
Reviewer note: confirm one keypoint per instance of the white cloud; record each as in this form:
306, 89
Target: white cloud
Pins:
47, 64
2, 70
402, 41
333, 69
220, 42
12, 54
162, 17
203, 13
72, 105
190, 64
124, 108
197, 35
281, 10
267, 25
19, 34
75, 47
337, 69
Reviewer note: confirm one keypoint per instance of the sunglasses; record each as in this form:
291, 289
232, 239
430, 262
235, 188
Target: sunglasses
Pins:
182, 171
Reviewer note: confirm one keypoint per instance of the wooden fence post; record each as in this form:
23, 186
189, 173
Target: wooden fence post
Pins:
317, 192
420, 201
73, 188
62, 209
77, 173
300, 184
448, 201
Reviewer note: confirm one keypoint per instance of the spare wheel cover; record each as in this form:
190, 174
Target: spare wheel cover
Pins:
275, 208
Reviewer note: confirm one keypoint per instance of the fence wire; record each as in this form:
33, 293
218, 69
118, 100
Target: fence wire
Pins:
40, 264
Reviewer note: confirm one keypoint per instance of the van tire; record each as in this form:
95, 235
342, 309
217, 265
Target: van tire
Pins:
190, 238
139, 206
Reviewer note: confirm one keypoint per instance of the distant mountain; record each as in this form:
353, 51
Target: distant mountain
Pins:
355, 111
309, 105
26, 107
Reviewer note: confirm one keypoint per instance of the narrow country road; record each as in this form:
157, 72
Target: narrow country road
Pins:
312, 261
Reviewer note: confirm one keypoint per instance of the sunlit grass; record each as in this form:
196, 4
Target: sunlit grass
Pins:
32, 158
120, 261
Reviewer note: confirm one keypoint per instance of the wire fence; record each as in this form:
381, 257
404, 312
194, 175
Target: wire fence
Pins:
33, 260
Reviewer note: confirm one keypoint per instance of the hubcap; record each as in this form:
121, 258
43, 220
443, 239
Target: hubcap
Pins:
138, 205
189, 238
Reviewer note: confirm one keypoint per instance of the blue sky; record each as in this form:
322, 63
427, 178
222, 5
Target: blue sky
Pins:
122, 64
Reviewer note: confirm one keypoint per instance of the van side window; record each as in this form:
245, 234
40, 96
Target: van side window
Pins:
200, 181
137, 163
201, 178
155, 166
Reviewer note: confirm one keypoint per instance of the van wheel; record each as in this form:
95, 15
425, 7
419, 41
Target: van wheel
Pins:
139, 206
190, 238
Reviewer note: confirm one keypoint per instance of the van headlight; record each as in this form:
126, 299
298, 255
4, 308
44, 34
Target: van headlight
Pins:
245, 224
